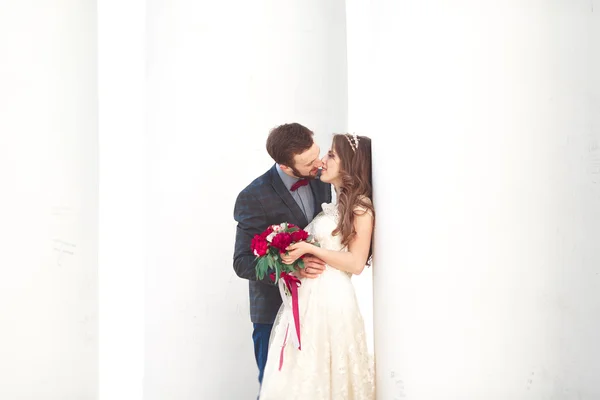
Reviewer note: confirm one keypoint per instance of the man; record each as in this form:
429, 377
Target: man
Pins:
289, 192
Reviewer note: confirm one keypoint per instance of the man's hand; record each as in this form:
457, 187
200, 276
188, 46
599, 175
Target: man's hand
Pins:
313, 267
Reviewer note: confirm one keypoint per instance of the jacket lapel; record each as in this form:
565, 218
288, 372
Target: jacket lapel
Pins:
287, 198
317, 195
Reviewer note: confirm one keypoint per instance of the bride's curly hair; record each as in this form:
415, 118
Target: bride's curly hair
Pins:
356, 189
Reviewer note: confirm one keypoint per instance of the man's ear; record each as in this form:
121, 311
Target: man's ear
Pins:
286, 169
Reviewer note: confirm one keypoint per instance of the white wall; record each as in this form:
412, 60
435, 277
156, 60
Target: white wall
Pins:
48, 201
121, 83
221, 75
487, 166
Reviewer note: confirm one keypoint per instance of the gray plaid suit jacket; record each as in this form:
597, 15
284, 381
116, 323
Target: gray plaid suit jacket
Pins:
266, 201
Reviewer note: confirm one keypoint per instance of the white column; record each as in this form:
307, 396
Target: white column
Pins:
48, 200
359, 35
487, 175
121, 75
221, 75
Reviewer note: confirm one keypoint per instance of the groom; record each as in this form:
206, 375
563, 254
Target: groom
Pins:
289, 192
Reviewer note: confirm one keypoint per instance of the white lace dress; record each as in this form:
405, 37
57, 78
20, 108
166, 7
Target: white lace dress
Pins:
334, 362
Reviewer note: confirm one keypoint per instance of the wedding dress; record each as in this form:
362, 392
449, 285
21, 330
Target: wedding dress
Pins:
333, 362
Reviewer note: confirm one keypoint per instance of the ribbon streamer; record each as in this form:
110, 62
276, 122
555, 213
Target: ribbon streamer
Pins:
292, 283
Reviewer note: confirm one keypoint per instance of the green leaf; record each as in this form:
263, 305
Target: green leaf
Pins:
271, 265
261, 267
277, 272
300, 263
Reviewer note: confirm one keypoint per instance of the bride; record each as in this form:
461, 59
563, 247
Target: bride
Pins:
333, 362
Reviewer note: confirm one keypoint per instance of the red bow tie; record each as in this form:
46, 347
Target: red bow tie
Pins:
299, 183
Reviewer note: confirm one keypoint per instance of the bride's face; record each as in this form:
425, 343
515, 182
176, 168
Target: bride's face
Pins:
330, 173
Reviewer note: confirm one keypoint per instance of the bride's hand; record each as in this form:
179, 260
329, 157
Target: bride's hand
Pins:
294, 252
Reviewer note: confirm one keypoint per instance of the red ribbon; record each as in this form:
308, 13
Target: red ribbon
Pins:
292, 283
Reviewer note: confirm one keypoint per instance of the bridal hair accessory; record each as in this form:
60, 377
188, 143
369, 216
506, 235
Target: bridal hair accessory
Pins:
353, 140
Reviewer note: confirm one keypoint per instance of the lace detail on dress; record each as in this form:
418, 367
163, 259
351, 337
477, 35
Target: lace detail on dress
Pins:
330, 209
323, 226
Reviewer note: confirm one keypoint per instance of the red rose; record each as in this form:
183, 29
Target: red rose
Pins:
299, 236
290, 226
282, 241
267, 232
259, 246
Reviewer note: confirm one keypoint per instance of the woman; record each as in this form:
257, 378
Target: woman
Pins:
333, 362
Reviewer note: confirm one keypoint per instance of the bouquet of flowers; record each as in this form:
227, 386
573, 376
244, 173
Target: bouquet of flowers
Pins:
268, 248
269, 245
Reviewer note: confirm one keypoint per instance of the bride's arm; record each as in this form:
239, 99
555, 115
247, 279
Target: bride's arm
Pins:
353, 261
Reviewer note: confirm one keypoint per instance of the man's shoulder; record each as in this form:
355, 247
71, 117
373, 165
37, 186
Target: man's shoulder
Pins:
257, 187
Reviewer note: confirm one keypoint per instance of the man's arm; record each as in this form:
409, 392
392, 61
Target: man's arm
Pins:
251, 219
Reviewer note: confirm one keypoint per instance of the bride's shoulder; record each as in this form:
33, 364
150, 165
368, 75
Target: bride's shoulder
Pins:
363, 205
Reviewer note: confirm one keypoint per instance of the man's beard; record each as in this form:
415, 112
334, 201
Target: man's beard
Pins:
299, 175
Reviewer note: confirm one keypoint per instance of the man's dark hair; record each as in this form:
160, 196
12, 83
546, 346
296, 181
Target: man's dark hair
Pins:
288, 140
